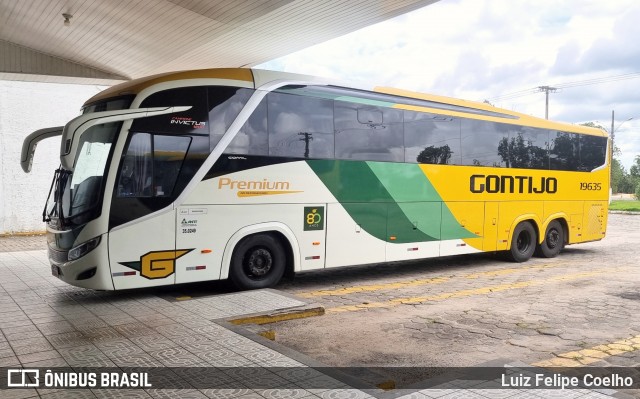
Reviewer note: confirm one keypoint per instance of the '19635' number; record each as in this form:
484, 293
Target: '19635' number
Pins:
591, 186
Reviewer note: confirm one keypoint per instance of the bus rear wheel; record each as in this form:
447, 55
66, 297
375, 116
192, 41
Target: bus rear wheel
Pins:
258, 261
523, 242
553, 241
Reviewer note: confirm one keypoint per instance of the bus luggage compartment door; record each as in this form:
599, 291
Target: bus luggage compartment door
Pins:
355, 233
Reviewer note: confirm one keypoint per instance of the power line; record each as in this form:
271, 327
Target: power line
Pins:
567, 85
547, 90
594, 81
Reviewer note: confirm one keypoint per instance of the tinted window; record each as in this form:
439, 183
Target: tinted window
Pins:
136, 168
366, 132
431, 138
110, 104
300, 127
225, 103
593, 152
151, 164
168, 155
564, 151
192, 121
525, 148
252, 139
481, 143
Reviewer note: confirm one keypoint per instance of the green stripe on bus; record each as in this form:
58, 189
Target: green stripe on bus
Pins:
419, 200
388, 199
365, 101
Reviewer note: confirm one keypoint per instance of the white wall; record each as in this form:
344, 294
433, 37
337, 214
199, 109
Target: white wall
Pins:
24, 108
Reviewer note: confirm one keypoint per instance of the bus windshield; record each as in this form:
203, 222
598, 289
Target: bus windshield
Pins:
78, 193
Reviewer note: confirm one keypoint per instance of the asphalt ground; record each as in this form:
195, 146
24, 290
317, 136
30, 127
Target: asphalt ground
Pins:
578, 309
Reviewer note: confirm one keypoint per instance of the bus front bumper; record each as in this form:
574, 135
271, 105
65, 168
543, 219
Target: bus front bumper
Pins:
89, 271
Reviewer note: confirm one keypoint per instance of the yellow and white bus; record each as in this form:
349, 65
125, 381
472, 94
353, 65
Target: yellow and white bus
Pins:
248, 174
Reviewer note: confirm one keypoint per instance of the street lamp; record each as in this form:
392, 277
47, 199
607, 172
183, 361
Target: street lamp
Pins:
613, 129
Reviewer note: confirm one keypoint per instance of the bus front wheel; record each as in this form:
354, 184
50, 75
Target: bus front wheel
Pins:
258, 261
523, 242
553, 241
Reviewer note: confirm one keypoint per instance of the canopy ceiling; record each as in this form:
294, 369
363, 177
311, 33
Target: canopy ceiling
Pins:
108, 41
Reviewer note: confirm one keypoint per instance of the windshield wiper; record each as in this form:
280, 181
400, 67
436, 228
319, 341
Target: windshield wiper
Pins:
58, 185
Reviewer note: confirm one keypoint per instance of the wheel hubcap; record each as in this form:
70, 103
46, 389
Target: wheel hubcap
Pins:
523, 241
258, 262
553, 238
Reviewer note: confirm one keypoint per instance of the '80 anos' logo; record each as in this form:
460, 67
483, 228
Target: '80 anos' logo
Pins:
313, 218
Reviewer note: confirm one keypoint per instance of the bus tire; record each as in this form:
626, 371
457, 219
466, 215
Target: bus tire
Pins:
523, 242
553, 241
258, 261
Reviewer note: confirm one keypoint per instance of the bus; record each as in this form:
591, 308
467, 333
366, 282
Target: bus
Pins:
246, 175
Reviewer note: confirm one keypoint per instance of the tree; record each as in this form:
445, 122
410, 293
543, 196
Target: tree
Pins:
617, 175
621, 181
517, 152
635, 168
435, 155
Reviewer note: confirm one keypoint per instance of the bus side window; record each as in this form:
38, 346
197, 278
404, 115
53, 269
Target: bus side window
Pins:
593, 151
136, 167
225, 104
151, 165
484, 143
368, 133
168, 156
431, 138
564, 151
252, 138
299, 126
526, 148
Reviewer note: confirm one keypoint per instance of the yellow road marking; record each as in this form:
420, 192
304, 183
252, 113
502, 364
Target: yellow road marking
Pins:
426, 281
469, 292
374, 287
591, 355
283, 316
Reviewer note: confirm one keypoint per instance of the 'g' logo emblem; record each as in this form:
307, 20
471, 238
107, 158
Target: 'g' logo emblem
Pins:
157, 264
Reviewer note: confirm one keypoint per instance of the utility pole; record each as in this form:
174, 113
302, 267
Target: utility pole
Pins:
612, 130
546, 90
307, 137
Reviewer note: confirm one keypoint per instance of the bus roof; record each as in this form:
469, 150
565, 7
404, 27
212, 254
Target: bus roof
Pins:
257, 78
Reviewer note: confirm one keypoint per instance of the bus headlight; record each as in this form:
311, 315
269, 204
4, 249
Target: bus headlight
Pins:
81, 250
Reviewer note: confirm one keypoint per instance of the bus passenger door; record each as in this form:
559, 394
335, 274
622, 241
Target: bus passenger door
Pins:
143, 254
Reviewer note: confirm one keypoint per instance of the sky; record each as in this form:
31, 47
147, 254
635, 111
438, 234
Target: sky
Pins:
502, 51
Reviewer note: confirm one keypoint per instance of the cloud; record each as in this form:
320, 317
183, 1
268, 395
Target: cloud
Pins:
488, 48
606, 53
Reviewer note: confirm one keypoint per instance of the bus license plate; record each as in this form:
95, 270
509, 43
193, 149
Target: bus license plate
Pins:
54, 270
